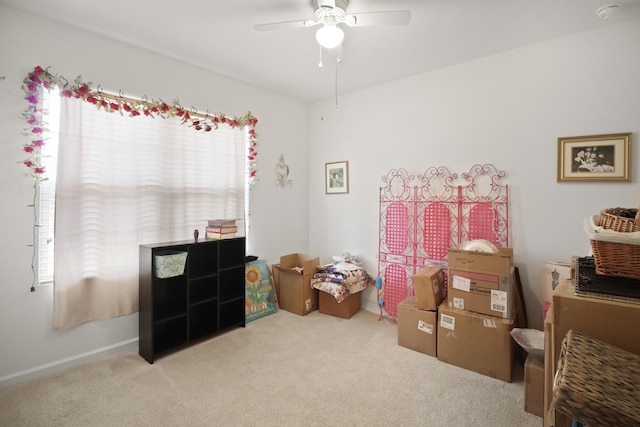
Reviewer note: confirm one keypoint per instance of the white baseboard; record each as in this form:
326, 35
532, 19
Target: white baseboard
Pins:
58, 365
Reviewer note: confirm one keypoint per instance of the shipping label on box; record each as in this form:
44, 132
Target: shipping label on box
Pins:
428, 286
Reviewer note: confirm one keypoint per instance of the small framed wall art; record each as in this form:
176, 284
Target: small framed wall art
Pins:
595, 158
336, 177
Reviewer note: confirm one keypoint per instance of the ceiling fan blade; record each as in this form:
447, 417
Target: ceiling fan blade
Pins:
285, 25
395, 17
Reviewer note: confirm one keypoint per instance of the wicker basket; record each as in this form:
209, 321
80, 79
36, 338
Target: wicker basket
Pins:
624, 220
615, 253
597, 383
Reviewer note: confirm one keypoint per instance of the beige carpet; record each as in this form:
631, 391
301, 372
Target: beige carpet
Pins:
281, 370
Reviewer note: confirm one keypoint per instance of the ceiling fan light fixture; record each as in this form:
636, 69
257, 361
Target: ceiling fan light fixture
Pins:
330, 35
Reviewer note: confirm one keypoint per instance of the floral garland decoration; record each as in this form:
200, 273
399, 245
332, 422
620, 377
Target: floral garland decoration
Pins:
33, 115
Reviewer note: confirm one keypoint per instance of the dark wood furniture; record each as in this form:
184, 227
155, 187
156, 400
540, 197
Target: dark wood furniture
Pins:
207, 299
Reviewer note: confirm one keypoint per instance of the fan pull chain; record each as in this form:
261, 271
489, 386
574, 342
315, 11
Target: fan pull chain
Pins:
321, 80
336, 83
338, 61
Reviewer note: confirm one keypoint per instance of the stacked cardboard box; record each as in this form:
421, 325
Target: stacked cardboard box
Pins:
482, 282
428, 286
475, 322
418, 315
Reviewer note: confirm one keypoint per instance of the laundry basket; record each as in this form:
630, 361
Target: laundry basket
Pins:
615, 253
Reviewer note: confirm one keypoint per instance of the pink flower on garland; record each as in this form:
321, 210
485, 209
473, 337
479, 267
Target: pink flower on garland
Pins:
41, 77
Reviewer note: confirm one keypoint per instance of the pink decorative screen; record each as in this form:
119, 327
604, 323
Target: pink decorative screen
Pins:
422, 216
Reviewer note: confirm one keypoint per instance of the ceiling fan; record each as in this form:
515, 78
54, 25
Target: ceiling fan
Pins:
332, 13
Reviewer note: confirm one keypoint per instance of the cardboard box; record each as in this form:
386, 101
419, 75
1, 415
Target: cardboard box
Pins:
327, 304
534, 385
428, 286
417, 329
482, 282
549, 369
477, 342
608, 320
614, 322
293, 283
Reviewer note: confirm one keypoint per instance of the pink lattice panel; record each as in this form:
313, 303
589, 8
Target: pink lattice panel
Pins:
483, 223
395, 288
436, 238
397, 228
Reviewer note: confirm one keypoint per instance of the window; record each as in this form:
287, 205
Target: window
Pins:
115, 182
45, 205
47, 189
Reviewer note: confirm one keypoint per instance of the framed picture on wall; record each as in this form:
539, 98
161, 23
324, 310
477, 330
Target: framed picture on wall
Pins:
595, 158
336, 176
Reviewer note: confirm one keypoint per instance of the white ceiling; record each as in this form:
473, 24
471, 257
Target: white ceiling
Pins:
219, 35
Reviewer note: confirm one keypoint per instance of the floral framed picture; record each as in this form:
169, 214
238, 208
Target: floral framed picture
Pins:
336, 177
605, 158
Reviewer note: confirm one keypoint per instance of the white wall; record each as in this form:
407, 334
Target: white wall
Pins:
279, 223
508, 110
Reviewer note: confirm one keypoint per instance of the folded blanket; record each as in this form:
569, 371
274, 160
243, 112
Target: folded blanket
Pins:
340, 280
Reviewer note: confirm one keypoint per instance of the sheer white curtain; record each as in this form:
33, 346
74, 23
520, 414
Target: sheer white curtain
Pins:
125, 181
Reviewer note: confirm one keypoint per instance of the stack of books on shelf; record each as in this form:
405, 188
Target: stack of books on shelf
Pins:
221, 229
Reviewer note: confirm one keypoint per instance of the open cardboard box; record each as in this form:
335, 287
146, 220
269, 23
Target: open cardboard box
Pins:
293, 283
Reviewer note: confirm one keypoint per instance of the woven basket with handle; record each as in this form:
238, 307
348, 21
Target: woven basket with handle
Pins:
615, 253
623, 220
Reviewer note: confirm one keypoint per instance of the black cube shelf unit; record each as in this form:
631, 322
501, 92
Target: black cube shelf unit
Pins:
207, 299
